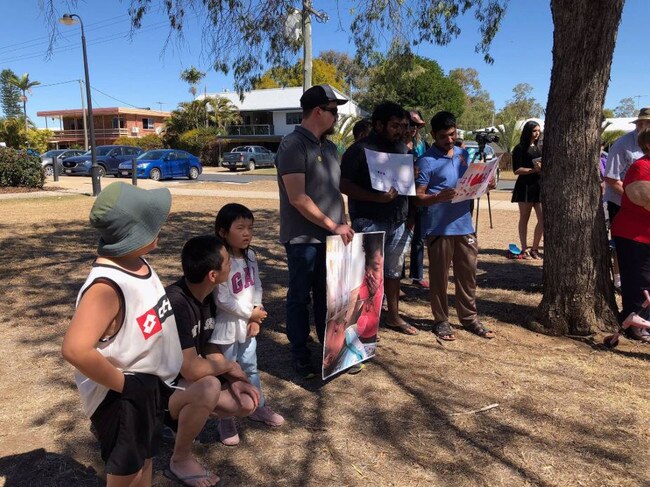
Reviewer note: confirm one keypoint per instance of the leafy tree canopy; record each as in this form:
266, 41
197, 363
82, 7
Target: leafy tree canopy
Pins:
323, 72
625, 108
521, 106
247, 37
478, 110
354, 74
9, 95
413, 82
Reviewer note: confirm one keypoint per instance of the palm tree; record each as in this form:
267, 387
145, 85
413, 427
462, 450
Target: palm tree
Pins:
193, 77
223, 113
509, 134
343, 136
25, 85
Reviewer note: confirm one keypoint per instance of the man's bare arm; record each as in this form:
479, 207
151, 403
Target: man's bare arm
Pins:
295, 186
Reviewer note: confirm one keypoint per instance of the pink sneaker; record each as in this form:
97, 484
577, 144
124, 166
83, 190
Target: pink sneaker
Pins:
265, 414
228, 432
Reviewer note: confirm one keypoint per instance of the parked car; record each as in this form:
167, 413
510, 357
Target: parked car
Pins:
249, 157
109, 157
163, 164
48, 158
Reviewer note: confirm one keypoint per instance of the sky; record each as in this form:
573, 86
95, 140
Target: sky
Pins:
135, 71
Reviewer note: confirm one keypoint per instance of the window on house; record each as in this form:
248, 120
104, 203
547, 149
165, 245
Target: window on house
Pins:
147, 123
294, 118
119, 123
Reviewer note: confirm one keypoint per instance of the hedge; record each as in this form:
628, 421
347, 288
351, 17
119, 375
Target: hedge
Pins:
148, 142
19, 169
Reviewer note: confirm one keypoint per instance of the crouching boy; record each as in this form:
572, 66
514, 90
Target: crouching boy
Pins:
213, 386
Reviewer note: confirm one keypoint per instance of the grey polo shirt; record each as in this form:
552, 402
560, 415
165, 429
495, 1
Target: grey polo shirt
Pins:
620, 157
302, 152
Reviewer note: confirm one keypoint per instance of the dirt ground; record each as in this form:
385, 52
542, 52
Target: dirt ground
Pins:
570, 413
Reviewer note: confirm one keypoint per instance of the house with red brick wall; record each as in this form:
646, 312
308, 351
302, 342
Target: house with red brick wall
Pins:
110, 123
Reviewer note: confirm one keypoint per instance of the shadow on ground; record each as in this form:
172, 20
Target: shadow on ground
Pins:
402, 421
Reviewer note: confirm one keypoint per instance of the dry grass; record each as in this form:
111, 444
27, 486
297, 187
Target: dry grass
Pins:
570, 413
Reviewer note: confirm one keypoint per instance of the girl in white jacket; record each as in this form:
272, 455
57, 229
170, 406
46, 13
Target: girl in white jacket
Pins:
241, 313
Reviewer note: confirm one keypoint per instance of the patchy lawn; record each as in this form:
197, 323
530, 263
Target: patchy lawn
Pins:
570, 413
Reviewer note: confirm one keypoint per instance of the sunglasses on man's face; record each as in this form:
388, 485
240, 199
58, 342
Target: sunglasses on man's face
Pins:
333, 110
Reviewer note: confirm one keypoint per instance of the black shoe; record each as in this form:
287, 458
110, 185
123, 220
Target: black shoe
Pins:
305, 370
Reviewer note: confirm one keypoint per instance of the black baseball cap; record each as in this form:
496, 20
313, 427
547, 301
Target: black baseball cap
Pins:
319, 95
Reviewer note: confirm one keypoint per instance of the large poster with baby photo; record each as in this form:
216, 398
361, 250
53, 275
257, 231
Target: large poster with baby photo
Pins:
355, 290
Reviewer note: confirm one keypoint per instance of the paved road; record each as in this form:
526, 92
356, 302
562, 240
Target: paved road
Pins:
238, 177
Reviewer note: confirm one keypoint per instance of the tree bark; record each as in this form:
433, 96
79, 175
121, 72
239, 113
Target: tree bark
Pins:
578, 290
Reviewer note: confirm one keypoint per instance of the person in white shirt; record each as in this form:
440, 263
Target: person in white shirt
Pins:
239, 301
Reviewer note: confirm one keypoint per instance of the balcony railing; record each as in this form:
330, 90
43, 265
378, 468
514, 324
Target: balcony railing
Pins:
261, 129
79, 134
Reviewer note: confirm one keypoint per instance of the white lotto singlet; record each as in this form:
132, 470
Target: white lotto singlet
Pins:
147, 341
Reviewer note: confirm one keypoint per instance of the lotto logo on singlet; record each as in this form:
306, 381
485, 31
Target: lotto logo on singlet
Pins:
151, 322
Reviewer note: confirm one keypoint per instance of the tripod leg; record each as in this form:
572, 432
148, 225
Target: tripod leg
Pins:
490, 210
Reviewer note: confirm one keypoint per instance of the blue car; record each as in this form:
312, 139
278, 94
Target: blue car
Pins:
160, 164
109, 157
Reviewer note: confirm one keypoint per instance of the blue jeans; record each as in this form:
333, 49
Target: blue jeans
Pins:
245, 354
396, 241
307, 281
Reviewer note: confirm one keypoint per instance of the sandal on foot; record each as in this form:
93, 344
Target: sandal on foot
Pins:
403, 328
479, 329
526, 255
189, 480
535, 254
444, 331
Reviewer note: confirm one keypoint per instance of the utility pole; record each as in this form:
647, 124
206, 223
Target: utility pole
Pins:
306, 13
306, 45
83, 111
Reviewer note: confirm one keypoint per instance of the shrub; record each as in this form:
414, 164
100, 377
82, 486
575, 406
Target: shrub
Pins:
212, 151
148, 142
38, 139
19, 169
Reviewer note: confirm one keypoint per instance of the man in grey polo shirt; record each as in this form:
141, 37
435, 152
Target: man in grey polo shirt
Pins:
311, 208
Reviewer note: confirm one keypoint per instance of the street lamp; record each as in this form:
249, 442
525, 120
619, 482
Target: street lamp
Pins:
72, 19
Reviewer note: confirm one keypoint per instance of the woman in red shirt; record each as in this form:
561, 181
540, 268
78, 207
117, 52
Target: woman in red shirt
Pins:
631, 231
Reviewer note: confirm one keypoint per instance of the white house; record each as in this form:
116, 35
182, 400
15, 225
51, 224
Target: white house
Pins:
270, 114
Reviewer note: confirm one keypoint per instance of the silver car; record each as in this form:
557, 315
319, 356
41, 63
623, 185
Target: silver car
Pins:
47, 159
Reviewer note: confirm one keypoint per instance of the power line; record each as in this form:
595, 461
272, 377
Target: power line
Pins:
98, 40
55, 84
39, 40
112, 97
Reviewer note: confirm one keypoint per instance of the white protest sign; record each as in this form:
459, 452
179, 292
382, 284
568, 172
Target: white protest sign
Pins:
391, 170
474, 182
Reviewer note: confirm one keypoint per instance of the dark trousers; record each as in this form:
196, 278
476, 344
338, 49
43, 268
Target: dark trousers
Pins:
307, 282
634, 264
416, 269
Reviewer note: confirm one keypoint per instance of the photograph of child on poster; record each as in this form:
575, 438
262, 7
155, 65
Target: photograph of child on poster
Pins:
355, 290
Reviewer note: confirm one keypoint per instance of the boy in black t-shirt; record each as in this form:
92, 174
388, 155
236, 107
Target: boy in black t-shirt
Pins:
206, 264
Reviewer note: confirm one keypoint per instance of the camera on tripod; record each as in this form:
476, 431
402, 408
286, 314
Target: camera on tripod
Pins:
485, 136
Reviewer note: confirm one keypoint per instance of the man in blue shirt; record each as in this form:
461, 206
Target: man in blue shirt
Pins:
447, 229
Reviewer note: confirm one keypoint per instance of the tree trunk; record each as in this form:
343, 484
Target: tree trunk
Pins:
578, 290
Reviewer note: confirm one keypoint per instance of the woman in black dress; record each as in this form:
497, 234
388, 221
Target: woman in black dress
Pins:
527, 165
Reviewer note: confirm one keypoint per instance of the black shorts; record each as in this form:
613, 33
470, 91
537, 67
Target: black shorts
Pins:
128, 425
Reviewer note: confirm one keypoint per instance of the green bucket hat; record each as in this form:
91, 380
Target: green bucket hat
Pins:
128, 218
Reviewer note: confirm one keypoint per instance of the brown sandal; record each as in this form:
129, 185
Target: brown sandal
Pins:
404, 328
